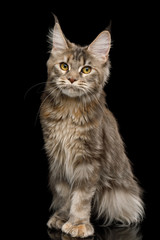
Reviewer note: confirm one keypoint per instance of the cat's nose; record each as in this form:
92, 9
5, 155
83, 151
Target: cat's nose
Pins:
72, 80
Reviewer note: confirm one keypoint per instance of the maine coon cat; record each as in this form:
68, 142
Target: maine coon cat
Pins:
89, 171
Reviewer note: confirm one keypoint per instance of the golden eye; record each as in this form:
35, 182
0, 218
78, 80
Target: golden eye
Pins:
86, 69
64, 66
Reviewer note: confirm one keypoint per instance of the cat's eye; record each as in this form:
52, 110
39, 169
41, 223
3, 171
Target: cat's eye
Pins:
64, 66
86, 69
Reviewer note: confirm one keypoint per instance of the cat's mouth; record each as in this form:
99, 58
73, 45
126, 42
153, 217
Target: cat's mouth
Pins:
72, 90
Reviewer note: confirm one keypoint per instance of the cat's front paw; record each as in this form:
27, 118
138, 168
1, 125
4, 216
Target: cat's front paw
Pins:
55, 222
80, 230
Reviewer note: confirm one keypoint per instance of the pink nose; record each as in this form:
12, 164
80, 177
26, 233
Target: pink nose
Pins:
72, 80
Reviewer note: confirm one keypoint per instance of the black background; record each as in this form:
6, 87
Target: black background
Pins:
129, 92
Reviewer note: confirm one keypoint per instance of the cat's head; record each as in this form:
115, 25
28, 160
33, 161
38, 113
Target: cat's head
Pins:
78, 71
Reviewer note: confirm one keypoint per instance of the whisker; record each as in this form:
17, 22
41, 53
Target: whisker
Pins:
25, 95
43, 103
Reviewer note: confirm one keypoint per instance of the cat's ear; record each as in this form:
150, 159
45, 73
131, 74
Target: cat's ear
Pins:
57, 38
101, 45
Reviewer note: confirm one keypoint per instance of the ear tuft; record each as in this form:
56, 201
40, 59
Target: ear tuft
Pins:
55, 18
57, 38
101, 45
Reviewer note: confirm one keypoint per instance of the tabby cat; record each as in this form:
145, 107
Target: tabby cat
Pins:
90, 174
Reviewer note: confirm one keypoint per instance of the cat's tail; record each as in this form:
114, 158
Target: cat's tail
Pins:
118, 205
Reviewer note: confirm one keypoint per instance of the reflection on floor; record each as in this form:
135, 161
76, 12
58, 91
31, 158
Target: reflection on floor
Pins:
107, 233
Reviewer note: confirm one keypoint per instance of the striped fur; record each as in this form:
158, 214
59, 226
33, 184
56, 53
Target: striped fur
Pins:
89, 170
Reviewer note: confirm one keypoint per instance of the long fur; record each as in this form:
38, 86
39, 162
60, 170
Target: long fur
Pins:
89, 170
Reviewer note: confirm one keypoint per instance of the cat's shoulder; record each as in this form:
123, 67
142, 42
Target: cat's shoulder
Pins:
109, 117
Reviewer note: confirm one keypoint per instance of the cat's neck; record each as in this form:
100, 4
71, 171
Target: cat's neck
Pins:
81, 109
83, 102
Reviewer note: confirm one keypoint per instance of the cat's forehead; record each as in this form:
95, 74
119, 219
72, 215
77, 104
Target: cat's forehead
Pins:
78, 55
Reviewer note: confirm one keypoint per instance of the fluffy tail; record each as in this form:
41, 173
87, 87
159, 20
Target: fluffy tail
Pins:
120, 206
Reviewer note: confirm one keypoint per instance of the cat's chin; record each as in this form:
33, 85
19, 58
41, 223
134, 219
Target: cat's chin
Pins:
72, 92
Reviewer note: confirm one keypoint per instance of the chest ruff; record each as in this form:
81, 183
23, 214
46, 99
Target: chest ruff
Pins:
69, 134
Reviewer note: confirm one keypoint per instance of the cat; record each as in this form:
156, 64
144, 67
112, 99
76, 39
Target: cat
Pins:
89, 172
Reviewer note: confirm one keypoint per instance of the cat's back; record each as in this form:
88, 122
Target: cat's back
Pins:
112, 141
